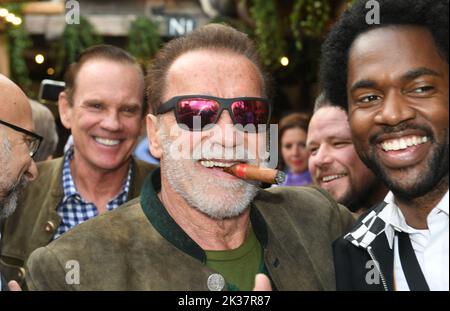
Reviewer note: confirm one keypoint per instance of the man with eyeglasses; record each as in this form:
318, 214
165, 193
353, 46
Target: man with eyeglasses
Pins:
103, 107
18, 145
196, 227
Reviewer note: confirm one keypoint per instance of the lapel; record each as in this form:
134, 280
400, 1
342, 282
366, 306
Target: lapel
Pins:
385, 256
286, 253
139, 170
370, 231
50, 219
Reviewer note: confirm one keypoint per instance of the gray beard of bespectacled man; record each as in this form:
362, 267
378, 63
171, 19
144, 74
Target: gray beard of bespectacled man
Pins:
9, 192
8, 198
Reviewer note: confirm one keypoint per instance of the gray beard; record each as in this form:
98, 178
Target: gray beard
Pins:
8, 203
178, 177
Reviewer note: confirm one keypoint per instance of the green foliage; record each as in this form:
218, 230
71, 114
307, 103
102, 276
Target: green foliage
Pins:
74, 40
268, 31
143, 39
308, 19
18, 42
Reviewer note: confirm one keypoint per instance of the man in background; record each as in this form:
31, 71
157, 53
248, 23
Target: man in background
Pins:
45, 126
334, 163
18, 145
103, 107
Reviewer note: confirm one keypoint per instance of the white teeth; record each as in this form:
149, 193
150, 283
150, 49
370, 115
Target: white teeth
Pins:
107, 142
332, 177
403, 143
215, 164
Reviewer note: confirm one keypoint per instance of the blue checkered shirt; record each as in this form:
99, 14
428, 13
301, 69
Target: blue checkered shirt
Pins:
73, 209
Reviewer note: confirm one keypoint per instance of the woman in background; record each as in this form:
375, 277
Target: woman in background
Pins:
294, 156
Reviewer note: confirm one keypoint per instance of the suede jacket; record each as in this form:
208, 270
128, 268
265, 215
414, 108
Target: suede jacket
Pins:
139, 246
36, 220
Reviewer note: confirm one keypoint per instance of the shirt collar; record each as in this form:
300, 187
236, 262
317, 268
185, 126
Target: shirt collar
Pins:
395, 220
443, 204
69, 187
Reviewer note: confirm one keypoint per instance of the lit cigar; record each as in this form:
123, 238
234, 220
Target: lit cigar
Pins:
249, 172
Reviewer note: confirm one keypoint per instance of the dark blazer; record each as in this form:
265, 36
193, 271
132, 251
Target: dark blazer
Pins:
36, 219
359, 268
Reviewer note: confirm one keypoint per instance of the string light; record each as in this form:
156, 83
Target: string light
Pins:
284, 61
3, 12
10, 17
17, 21
39, 58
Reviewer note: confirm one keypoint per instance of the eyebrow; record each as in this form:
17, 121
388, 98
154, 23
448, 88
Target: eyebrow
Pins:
363, 84
416, 73
410, 75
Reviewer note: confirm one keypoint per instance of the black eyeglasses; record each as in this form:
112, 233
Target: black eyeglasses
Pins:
243, 110
34, 140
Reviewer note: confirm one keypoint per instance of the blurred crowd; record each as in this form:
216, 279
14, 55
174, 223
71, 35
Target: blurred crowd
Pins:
365, 174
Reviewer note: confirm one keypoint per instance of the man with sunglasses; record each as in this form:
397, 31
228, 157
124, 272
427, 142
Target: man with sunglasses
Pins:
196, 227
103, 107
18, 145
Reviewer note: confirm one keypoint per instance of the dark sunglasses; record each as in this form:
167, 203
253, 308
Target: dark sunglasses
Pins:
243, 110
34, 140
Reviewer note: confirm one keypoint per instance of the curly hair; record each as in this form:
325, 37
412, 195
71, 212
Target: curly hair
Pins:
431, 14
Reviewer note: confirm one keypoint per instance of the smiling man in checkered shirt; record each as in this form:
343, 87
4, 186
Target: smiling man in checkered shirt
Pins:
103, 107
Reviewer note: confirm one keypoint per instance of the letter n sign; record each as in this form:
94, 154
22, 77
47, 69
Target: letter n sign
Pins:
179, 26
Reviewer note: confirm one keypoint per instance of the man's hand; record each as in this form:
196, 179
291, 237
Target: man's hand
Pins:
262, 283
14, 286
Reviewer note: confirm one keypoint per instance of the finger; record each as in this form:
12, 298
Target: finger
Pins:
14, 286
262, 283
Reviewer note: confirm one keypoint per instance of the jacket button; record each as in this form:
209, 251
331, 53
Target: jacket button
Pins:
50, 227
21, 273
216, 282
276, 263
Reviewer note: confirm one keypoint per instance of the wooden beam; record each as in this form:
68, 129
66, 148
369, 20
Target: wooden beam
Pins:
47, 8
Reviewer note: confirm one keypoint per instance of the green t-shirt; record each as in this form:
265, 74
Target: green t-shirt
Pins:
238, 266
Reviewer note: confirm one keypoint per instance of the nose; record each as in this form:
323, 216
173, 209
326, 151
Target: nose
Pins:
296, 151
32, 171
322, 157
395, 110
111, 122
228, 134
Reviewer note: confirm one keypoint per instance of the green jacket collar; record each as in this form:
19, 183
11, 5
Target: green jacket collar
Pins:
169, 229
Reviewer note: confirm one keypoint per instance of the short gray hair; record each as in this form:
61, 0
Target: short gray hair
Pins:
44, 125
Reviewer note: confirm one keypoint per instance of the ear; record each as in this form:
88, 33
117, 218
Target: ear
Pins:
65, 110
153, 136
